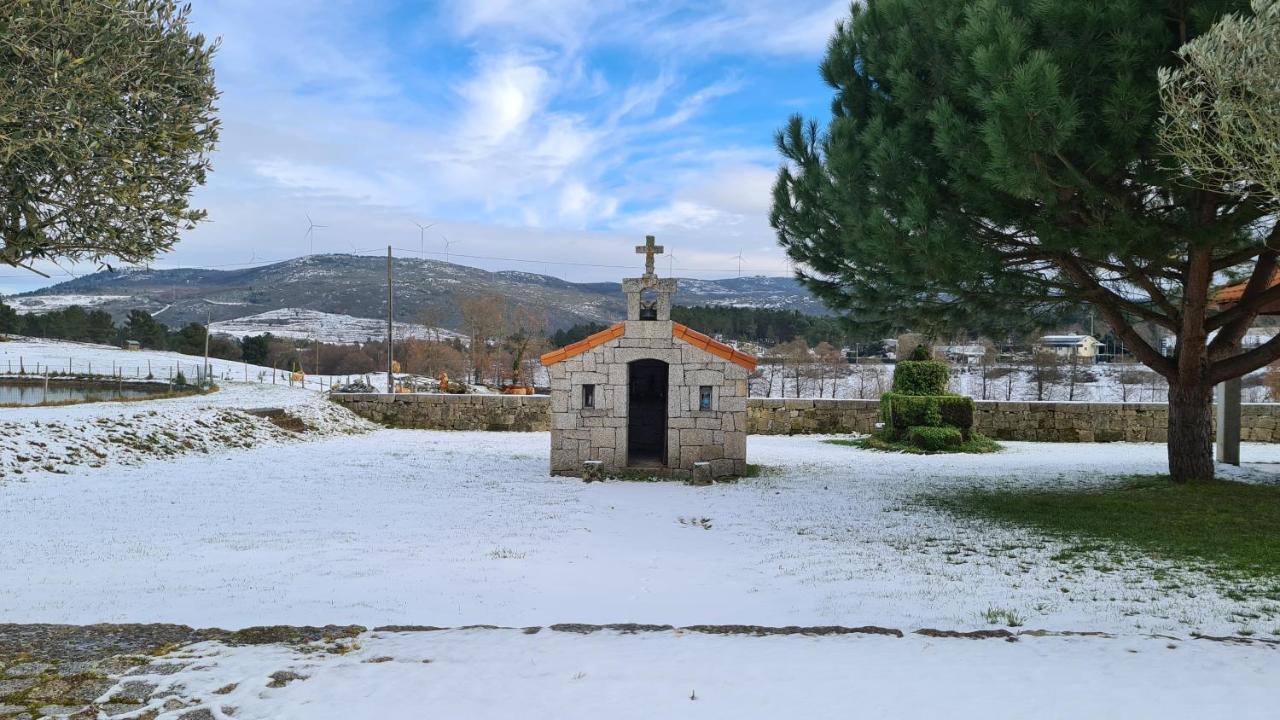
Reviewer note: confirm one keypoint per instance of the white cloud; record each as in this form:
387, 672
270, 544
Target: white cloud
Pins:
502, 98
496, 119
562, 22
714, 215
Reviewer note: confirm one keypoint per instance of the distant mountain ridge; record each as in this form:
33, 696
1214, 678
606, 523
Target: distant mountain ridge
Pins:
426, 292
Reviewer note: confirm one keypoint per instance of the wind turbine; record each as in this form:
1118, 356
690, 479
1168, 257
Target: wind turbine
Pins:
422, 236
671, 262
739, 256
447, 243
311, 232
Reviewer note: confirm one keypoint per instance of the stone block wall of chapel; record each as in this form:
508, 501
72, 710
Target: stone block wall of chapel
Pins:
717, 436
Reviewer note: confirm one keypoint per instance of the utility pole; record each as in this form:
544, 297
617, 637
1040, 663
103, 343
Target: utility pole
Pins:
208, 319
391, 297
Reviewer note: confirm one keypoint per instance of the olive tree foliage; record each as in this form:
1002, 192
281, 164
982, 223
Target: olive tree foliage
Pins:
1222, 104
107, 120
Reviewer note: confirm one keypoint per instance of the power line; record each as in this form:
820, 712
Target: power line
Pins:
424, 253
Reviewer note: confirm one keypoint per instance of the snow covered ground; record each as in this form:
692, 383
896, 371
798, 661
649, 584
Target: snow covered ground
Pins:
327, 327
453, 529
35, 356
510, 674
191, 510
95, 435
40, 304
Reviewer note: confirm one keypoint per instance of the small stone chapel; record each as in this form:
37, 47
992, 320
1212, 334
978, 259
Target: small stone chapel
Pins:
649, 393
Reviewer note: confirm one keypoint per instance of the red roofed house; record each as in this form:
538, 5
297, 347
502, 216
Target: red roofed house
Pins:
649, 393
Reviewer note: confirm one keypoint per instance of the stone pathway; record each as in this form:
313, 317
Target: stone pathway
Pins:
107, 670
175, 672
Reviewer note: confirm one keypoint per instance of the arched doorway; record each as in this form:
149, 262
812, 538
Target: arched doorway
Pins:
646, 413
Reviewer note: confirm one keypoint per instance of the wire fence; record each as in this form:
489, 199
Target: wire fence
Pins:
171, 372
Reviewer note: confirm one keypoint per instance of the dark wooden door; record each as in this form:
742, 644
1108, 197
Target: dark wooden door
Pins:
647, 413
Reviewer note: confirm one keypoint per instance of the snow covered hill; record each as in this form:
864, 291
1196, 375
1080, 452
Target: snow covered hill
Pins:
428, 292
305, 324
39, 304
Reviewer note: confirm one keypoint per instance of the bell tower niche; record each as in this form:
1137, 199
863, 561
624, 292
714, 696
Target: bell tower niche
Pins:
648, 296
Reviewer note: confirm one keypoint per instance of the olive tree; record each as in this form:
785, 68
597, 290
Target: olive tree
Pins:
1222, 103
107, 119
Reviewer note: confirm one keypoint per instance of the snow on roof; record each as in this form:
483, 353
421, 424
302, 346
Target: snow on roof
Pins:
1065, 340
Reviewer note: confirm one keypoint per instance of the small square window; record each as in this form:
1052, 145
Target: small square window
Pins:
588, 396
704, 397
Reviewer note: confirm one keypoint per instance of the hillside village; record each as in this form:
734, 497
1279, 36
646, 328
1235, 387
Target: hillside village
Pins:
389, 373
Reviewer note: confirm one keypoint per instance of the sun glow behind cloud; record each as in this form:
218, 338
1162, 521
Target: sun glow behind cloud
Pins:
561, 130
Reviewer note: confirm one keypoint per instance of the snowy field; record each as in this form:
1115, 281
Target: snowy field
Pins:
40, 304
305, 324
35, 356
510, 674
453, 529
92, 435
193, 511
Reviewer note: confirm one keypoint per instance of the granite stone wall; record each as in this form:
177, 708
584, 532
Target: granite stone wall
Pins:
1038, 421
716, 436
440, 411
1043, 421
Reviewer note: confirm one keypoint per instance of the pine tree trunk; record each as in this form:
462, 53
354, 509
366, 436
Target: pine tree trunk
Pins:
1190, 433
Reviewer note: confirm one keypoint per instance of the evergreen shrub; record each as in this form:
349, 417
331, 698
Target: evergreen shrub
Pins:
935, 438
901, 412
914, 377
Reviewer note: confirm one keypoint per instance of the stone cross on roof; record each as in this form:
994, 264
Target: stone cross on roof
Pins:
648, 249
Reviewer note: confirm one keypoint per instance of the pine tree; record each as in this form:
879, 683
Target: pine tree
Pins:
142, 327
989, 160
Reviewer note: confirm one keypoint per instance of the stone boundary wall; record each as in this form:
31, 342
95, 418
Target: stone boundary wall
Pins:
1005, 420
1041, 421
443, 411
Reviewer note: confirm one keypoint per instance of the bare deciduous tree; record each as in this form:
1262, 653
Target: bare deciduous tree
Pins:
482, 319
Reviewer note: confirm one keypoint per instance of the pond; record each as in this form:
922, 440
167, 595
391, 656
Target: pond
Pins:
34, 393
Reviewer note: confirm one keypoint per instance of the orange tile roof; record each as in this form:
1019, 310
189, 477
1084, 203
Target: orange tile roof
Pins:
678, 331
574, 349
1233, 293
719, 349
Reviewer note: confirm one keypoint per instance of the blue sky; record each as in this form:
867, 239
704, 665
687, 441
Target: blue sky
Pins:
556, 130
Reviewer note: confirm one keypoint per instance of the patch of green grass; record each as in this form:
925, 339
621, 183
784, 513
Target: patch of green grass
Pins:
1234, 526
976, 444
1003, 616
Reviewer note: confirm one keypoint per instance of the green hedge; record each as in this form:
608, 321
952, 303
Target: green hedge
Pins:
935, 438
912, 377
900, 412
